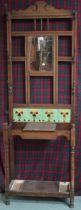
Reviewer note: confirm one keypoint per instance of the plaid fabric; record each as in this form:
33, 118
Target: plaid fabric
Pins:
25, 25
60, 24
28, 25
64, 81
41, 160
41, 90
64, 46
18, 48
18, 70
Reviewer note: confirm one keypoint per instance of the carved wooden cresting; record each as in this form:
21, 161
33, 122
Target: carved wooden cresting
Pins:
41, 73
41, 9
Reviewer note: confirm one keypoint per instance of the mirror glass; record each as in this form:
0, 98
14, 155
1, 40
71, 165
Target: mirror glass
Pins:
41, 53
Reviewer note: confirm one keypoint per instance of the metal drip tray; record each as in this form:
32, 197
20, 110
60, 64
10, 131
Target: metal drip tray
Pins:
40, 126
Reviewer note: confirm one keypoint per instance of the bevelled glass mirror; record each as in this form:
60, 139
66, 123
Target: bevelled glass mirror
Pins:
41, 53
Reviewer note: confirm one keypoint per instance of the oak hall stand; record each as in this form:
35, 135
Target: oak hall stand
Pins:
37, 51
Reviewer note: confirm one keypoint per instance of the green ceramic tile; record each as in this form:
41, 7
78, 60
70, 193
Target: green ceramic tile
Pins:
27, 114
50, 115
20, 114
64, 115
35, 115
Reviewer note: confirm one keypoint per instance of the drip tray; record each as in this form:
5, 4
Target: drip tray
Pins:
40, 126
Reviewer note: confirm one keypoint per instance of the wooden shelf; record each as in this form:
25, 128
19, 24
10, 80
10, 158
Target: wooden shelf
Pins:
20, 58
30, 33
62, 129
41, 73
57, 106
65, 59
59, 126
36, 188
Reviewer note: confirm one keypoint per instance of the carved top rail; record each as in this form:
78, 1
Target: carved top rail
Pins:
41, 9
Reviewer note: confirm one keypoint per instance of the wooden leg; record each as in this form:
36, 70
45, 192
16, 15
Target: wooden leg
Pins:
6, 151
12, 168
1, 162
72, 165
71, 201
7, 201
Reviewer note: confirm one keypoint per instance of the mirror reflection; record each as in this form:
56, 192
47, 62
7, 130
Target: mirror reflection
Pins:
41, 53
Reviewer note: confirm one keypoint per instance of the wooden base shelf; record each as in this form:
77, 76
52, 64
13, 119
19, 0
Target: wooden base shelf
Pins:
36, 188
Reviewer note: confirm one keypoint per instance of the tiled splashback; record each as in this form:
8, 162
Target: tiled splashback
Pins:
41, 115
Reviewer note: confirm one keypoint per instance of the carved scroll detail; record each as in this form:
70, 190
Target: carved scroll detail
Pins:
40, 8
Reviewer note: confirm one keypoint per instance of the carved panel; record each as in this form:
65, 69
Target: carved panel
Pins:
40, 8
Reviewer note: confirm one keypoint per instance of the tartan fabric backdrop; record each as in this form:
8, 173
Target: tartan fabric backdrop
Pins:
41, 160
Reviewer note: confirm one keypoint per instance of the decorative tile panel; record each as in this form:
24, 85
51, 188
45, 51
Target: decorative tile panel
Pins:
64, 115
49, 115
19, 115
41, 115
27, 115
35, 115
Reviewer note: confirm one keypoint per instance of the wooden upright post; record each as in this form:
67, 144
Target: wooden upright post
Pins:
7, 167
72, 165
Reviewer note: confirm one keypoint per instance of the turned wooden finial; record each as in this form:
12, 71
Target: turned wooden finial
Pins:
6, 8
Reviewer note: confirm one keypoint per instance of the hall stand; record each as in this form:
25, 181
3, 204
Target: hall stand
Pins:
38, 53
